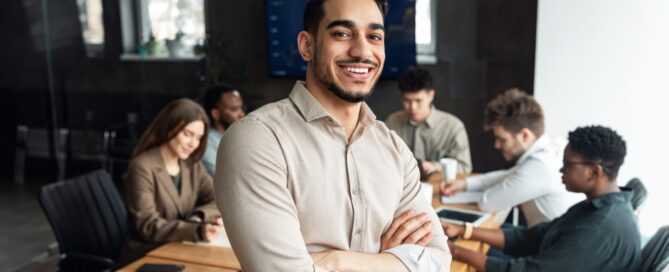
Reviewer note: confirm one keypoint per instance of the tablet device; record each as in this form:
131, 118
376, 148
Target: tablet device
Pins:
459, 216
153, 267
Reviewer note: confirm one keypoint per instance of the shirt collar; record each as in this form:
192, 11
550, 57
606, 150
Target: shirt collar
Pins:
311, 109
625, 195
538, 145
214, 133
430, 121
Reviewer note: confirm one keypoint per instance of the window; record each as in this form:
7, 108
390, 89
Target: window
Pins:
425, 31
92, 27
162, 28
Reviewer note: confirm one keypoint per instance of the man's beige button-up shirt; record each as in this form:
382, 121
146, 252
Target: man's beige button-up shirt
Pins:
441, 135
289, 183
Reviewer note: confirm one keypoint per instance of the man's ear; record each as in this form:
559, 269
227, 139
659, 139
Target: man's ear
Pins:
215, 114
305, 44
526, 135
430, 94
597, 171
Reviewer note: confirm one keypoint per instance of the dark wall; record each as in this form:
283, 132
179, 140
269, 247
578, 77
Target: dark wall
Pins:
483, 48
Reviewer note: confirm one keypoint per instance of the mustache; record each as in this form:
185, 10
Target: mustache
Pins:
358, 61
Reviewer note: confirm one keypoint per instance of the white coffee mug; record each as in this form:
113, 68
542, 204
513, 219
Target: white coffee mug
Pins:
426, 191
450, 168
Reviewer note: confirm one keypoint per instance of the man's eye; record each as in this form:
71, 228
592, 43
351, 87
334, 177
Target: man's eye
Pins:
376, 37
341, 34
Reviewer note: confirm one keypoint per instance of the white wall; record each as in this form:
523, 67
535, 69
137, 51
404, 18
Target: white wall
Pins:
607, 62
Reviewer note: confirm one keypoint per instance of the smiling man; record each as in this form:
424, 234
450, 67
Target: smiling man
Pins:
314, 182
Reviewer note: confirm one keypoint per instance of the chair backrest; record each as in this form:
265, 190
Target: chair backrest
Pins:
656, 252
87, 215
639, 193
35, 141
89, 145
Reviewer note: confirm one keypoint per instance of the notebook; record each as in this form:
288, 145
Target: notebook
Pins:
462, 198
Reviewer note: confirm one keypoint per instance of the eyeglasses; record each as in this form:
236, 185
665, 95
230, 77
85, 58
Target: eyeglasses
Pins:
569, 164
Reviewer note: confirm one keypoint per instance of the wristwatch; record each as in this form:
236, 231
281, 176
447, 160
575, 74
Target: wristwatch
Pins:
469, 228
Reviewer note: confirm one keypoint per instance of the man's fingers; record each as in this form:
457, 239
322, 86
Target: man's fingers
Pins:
419, 233
426, 239
396, 223
410, 226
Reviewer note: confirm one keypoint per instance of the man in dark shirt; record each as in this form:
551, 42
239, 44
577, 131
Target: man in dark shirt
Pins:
597, 234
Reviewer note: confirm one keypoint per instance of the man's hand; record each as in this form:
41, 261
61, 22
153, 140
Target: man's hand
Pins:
452, 230
473, 258
427, 167
211, 231
408, 229
451, 187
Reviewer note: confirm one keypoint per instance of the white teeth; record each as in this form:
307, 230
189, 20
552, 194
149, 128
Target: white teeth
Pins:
357, 70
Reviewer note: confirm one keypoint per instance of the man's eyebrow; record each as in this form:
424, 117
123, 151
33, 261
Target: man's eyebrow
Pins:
344, 23
375, 26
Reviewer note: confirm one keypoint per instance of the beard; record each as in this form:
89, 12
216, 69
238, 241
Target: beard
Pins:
224, 124
347, 95
516, 151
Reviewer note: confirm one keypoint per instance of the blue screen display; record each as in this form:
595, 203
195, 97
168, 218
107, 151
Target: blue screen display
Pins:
284, 21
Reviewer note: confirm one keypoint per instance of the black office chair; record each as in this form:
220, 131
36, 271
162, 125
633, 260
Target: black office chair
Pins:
88, 219
639, 193
655, 255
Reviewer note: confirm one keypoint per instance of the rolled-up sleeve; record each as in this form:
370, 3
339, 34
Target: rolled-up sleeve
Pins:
487, 180
525, 183
520, 241
435, 256
582, 249
258, 211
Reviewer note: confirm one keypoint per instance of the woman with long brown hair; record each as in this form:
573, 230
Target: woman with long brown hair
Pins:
169, 193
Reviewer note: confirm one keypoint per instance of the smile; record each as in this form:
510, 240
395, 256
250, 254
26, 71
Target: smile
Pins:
357, 71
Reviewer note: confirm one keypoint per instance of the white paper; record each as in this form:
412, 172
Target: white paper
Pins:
221, 241
462, 198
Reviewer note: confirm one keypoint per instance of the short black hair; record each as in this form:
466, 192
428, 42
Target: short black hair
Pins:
314, 12
212, 96
414, 79
601, 145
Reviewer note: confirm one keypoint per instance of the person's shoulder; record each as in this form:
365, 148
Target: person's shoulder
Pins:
551, 150
269, 115
396, 119
146, 160
396, 116
446, 118
387, 133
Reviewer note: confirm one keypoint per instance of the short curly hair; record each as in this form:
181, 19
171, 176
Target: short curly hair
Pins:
514, 110
414, 79
213, 95
601, 145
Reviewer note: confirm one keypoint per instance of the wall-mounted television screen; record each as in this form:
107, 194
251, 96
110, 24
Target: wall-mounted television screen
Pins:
284, 21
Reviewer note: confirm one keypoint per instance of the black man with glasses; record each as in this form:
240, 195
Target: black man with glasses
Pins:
597, 234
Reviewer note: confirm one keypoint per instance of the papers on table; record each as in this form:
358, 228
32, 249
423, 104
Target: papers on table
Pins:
221, 241
462, 198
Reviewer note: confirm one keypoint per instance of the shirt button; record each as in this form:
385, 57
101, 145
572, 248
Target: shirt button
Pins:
356, 190
358, 231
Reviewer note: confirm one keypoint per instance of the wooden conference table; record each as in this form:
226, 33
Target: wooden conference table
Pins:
211, 258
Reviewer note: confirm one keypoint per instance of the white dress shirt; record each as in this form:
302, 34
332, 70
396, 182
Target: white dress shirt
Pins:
534, 183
